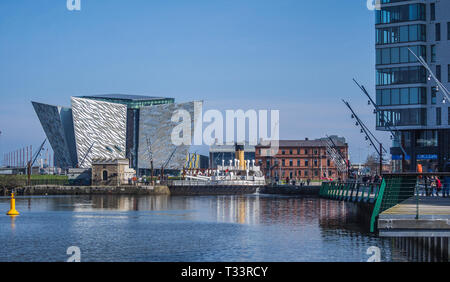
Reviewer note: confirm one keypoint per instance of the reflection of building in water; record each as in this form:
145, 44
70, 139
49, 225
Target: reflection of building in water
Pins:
243, 210
337, 216
126, 203
333, 211
289, 211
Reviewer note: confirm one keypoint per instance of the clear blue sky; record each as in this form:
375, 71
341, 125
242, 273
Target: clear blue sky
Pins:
296, 56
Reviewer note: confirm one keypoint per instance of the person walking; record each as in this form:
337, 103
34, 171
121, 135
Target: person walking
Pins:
446, 184
438, 186
433, 187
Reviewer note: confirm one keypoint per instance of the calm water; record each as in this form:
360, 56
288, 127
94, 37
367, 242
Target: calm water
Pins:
164, 228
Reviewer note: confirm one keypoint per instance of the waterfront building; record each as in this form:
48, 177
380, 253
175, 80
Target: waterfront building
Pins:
111, 172
227, 153
303, 160
411, 104
115, 126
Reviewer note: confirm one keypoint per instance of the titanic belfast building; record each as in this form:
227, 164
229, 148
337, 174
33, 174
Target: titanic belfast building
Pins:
115, 127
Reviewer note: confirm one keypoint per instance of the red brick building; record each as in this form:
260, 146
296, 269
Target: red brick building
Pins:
303, 159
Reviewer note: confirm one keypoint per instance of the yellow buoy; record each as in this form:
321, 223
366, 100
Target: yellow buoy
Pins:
13, 210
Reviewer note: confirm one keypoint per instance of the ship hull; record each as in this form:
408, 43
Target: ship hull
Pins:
212, 189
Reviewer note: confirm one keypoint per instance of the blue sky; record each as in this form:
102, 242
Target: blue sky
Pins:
296, 56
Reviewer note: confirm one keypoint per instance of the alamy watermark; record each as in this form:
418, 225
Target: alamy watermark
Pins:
74, 254
374, 253
373, 5
209, 128
73, 5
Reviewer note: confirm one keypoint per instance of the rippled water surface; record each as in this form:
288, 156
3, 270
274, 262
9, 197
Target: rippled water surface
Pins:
164, 228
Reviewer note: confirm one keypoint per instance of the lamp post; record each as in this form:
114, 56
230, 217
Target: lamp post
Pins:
386, 124
368, 135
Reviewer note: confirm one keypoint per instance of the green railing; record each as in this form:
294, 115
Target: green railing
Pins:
350, 191
395, 188
399, 187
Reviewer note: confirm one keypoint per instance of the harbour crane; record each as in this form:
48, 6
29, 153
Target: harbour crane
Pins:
150, 154
167, 162
33, 160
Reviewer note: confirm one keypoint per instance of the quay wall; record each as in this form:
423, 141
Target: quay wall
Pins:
188, 190
203, 190
89, 190
291, 190
423, 249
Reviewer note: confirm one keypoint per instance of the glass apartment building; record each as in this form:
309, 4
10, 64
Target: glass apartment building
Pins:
411, 104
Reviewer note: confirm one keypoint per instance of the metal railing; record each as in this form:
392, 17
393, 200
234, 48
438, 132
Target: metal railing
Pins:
399, 187
394, 189
350, 191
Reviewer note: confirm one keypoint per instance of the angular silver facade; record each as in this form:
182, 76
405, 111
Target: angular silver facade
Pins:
155, 124
100, 130
58, 127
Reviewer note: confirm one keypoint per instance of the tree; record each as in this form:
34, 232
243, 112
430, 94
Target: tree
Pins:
373, 163
10, 182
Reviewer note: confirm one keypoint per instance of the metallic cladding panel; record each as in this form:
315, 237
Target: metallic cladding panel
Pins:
67, 123
100, 130
58, 131
155, 123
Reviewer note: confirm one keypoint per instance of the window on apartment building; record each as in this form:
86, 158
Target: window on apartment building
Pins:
282, 162
298, 162
283, 152
448, 73
306, 173
315, 162
438, 116
433, 53
438, 32
299, 173
291, 163
306, 151
433, 11
316, 173
438, 72
433, 95
448, 31
290, 152
328, 163
306, 162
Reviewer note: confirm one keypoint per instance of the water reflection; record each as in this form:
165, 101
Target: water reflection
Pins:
207, 228
13, 222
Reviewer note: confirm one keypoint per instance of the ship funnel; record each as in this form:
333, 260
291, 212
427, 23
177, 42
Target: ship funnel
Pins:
240, 156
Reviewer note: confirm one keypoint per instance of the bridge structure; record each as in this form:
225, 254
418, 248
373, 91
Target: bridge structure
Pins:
403, 207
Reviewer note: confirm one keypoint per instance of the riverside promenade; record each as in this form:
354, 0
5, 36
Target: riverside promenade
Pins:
420, 226
401, 208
